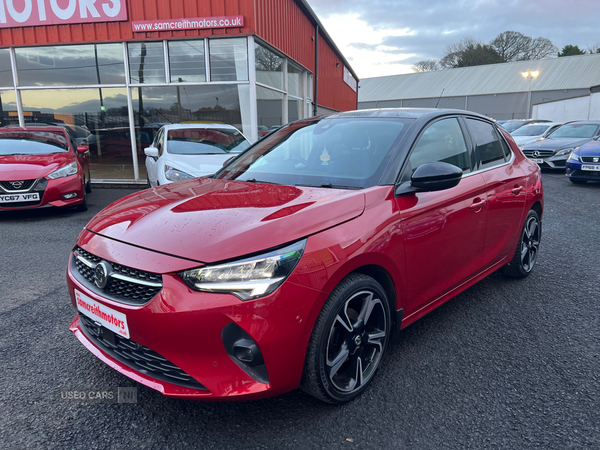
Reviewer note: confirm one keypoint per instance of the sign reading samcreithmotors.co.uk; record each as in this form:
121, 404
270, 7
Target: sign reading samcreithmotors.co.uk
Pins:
28, 13
195, 23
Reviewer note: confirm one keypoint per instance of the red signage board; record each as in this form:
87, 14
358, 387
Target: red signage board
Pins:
27, 13
196, 23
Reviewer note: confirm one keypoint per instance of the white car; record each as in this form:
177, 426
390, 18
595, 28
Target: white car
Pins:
534, 131
184, 151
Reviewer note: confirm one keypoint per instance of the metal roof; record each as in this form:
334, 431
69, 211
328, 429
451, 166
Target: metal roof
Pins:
570, 72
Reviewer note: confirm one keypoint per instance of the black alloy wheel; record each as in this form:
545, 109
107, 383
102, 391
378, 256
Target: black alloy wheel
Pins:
348, 341
528, 248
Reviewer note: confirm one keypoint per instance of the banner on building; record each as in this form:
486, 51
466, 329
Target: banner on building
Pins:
349, 79
29, 13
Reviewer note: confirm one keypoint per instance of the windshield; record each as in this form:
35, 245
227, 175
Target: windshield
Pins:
575, 130
205, 141
512, 126
335, 153
531, 130
31, 143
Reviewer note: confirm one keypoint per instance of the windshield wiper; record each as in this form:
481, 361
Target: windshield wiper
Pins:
329, 186
254, 180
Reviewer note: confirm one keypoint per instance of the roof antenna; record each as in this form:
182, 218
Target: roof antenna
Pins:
439, 98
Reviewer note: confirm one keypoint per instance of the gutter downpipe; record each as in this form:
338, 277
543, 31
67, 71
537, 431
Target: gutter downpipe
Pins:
316, 95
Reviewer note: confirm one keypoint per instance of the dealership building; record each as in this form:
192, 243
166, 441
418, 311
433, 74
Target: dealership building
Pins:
115, 71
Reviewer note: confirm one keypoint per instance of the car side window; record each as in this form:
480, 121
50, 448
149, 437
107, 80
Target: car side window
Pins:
488, 144
160, 142
442, 141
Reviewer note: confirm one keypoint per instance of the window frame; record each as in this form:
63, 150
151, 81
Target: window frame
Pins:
501, 140
406, 166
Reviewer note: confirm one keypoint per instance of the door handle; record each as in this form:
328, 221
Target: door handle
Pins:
477, 204
517, 190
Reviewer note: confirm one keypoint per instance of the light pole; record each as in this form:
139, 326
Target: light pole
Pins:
531, 76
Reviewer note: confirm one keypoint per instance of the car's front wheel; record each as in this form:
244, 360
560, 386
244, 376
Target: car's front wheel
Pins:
348, 340
527, 250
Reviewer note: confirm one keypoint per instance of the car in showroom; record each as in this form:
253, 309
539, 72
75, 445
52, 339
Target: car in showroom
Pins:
299, 261
553, 151
184, 151
534, 131
583, 164
42, 167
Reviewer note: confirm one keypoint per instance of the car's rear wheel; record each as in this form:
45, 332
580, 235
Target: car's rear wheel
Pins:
527, 250
577, 181
88, 184
348, 340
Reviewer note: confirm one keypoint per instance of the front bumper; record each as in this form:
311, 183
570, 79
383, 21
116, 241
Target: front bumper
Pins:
573, 170
554, 162
51, 193
186, 328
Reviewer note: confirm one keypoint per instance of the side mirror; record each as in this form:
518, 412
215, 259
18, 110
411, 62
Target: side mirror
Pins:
435, 176
83, 149
152, 152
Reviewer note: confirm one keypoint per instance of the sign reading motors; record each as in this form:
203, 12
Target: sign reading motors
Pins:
27, 13
197, 23
349, 79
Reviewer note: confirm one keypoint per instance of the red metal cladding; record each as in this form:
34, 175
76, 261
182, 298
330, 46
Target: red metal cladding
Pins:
136, 10
333, 91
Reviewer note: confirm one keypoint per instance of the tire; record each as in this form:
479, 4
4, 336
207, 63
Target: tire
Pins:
345, 351
88, 185
83, 206
577, 181
527, 249
148, 181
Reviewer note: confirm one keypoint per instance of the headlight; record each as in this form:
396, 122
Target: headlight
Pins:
249, 278
566, 151
573, 157
173, 174
65, 171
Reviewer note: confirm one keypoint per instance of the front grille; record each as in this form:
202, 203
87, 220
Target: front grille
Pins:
589, 159
26, 184
136, 356
542, 153
131, 290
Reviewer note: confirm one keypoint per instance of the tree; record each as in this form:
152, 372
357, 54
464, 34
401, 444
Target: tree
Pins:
571, 50
595, 48
426, 65
469, 52
266, 60
515, 46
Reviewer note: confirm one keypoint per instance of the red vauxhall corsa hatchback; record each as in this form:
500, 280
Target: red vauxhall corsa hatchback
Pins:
42, 167
299, 262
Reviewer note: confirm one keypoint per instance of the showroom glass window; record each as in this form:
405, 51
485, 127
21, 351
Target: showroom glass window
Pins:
71, 65
8, 108
106, 131
488, 144
269, 107
186, 61
269, 67
228, 59
146, 62
443, 141
295, 93
6, 77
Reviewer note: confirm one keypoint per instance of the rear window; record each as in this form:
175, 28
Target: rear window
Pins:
202, 141
32, 142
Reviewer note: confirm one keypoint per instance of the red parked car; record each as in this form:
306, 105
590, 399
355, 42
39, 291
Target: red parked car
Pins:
42, 167
298, 263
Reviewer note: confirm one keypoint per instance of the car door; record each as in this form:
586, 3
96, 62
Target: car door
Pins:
443, 231
506, 190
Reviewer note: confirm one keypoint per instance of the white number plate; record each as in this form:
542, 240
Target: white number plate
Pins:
539, 161
13, 198
588, 167
105, 316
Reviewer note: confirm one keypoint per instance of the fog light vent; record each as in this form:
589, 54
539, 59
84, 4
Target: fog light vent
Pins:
70, 195
244, 351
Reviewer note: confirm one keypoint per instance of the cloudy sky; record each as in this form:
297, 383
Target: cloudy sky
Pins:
385, 37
